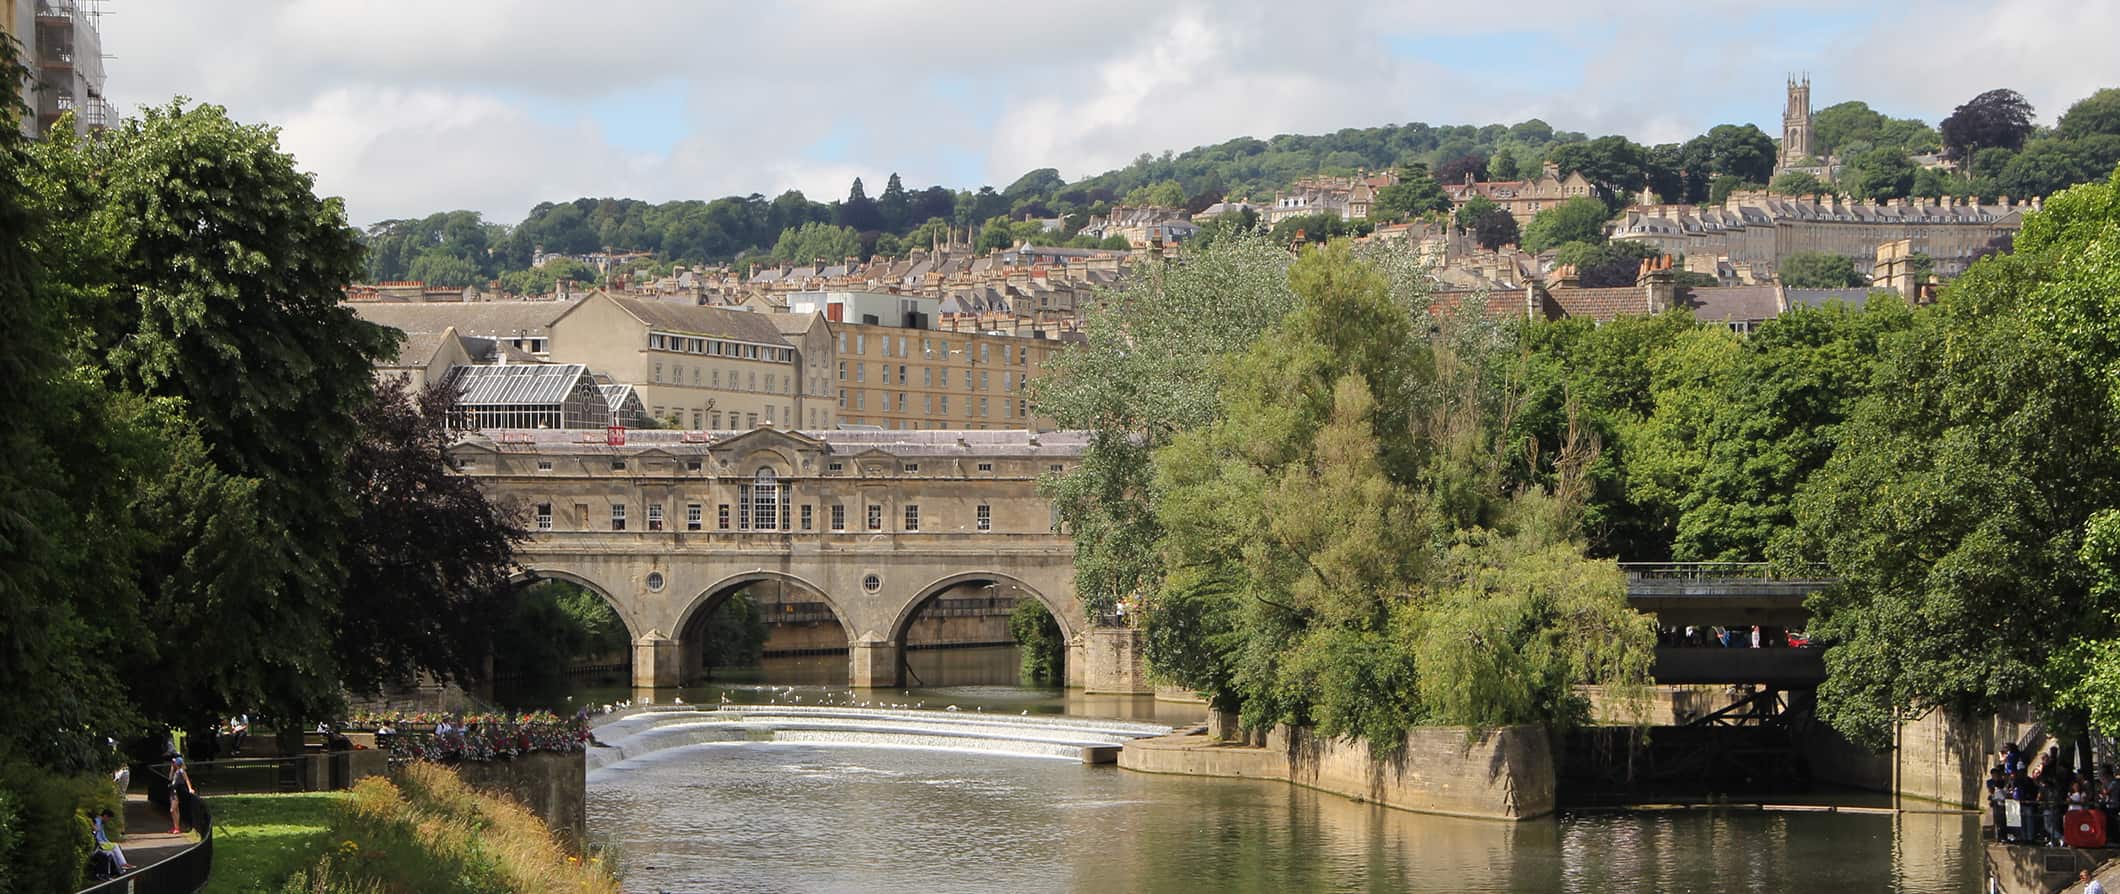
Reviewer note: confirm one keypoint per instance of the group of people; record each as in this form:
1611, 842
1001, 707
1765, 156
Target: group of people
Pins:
2032, 800
1753, 636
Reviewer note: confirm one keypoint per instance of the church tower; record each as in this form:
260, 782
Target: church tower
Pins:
1796, 122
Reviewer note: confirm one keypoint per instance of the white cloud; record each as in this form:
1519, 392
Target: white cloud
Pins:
410, 106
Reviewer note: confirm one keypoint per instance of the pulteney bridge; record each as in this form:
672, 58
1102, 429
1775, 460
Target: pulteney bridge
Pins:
1728, 594
666, 525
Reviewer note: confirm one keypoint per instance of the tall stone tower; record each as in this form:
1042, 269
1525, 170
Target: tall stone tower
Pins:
1796, 122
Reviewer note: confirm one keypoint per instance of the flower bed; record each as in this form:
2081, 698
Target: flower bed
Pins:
472, 737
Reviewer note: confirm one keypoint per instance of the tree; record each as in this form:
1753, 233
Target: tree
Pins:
1040, 182
1820, 270
1605, 264
2046, 167
1996, 118
1502, 166
1316, 228
1580, 219
2096, 114
1796, 183
427, 560
816, 242
1616, 166
1837, 127
1489, 225
1415, 194
1730, 150
1472, 166
1880, 174
894, 206
858, 212
1720, 188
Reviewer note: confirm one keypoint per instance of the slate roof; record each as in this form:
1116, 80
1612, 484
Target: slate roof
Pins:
1822, 297
486, 319
1602, 305
1728, 303
843, 442
693, 319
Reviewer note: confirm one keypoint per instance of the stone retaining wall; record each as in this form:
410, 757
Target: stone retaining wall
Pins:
554, 786
1505, 774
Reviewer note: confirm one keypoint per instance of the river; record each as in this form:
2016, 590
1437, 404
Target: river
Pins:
788, 816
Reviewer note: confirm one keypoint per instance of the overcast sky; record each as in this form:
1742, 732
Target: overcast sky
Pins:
406, 107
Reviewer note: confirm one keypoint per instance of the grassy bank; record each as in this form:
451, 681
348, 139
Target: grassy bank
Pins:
428, 831
260, 840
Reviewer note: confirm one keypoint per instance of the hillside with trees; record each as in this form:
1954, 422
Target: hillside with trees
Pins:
1993, 138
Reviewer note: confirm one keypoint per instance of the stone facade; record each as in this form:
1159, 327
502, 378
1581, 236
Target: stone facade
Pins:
1760, 230
1523, 199
871, 524
1505, 774
922, 379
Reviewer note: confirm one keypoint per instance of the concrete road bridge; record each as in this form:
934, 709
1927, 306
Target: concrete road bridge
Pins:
1729, 594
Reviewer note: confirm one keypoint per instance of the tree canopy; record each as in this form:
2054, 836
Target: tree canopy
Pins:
1997, 119
1576, 220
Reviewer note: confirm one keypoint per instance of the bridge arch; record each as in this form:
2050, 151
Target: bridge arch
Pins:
531, 574
1070, 626
711, 598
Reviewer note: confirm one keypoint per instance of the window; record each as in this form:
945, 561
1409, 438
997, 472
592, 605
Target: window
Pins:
698, 416
658, 372
945, 405
1055, 467
912, 516
842, 400
655, 516
716, 379
875, 517
1008, 381
765, 500
986, 517
697, 373
839, 517
982, 407
618, 465
861, 344
861, 372
807, 511
544, 465
901, 346
842, 370
618, 516
769, 383
901, 374
836, 467
927, 405
692, 465
769, 414
986, 467
901, 401
842, 342
693, 516
750, 420
967, 380
861, 400
754, 380
927, 377
985, 384
715, 417
721, 517
544, 516
912, 467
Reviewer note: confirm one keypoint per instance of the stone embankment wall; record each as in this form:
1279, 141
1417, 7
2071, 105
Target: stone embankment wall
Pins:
1115, 661
1505, 774
554, 786
1945, 759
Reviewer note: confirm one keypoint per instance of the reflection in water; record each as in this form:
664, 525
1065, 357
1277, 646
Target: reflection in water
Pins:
799, 817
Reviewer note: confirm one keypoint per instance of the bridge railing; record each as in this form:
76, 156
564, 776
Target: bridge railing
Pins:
1725, 571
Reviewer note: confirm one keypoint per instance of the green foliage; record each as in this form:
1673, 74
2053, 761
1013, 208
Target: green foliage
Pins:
817, 242
1576, 220
1720, 188
1837, 127
1616, 166
1997, 118
261, 840
1307, 528
734, 636
1038, 636
1489, 225
1317, 228
49, 834
541, 280
1879, 174
1416, 194
544, 630
2096, 114
1796, 183
1820, 270
1605, 264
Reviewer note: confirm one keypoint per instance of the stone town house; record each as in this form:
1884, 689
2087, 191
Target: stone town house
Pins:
1523, 199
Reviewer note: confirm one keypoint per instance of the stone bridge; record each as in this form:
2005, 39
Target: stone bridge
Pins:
1729, 594
667, 525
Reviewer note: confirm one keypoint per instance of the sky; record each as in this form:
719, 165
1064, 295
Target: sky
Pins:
407, 107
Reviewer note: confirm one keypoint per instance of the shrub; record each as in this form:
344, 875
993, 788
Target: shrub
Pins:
45, 831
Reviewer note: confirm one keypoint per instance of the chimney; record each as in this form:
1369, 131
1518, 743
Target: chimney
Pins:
1566, 277
1659, 284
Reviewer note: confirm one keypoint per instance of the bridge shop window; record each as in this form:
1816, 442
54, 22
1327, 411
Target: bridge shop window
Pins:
692, 516
807, 512
618, 465
912, 516
986, 467
839, 517
986, 517
544, 516
721, 517
618, 516
655, 517
544, 465
875, 517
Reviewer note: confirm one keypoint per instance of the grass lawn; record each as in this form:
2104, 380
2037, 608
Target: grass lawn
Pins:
259, 840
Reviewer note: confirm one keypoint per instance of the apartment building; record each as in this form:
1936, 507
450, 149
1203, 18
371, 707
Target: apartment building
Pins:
693, 367
897, 378
62, 51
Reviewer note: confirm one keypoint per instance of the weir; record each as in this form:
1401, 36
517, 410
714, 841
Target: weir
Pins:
1072, 738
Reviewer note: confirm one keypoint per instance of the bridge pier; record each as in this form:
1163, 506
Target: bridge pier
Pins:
875, 664
657, 662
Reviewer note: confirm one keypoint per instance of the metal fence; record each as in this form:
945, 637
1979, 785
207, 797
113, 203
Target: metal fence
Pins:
1711, 571
327, 771
184, 873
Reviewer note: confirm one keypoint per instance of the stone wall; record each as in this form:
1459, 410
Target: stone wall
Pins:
553, 786
1945, 758
1115, 660
1501, 774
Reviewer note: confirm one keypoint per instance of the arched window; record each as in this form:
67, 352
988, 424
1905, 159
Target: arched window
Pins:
765, 500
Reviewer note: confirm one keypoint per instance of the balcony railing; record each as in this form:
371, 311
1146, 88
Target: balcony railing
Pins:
1724, 571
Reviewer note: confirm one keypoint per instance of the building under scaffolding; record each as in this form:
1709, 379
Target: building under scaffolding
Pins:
522, 395
62, 52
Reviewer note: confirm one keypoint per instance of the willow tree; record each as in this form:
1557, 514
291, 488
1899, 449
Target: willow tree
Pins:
1346, 536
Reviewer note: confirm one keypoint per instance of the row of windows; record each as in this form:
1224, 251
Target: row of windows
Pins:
703, 377
761, 509
1010, 381
763, 475
710, 420
931, 405
1018, 355
714, 347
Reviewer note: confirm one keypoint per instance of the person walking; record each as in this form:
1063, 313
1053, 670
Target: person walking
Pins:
2090, 885
103, 842
179, 785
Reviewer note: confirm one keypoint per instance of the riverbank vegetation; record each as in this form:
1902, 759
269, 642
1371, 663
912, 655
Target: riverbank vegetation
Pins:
1039, 640
1336, 505
212, 507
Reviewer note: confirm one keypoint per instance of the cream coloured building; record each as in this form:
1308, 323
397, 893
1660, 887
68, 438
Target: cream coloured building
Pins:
927, 379
693, 367
1759, 230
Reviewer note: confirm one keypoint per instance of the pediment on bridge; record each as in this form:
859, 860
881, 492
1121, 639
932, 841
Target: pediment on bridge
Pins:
481, 447
796, 449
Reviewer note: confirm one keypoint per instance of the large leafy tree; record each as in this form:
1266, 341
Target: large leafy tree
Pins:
220, 276
1415, 194
1580, 219
1489, 225
1956, 511
1998, 118
2098, 113
1879, 174
1820, 270
1616, 166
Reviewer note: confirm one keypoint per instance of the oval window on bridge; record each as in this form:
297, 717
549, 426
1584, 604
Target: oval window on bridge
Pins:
655, 581
872, 583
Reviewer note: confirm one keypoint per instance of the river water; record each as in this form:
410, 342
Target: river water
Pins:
788, 816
